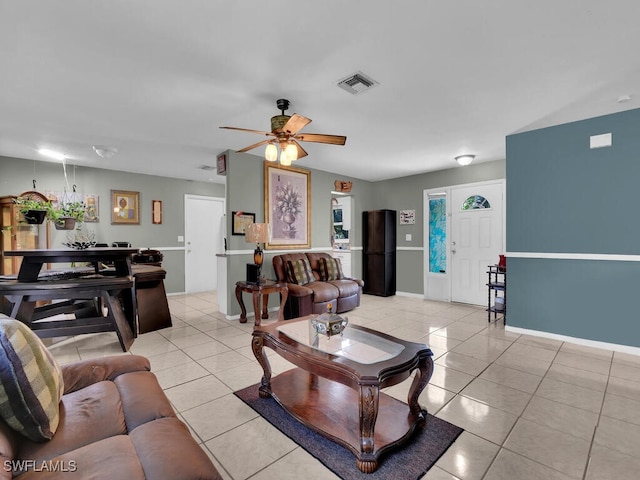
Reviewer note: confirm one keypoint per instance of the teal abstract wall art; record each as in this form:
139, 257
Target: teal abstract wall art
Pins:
438, 235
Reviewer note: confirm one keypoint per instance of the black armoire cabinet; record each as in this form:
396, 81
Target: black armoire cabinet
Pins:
379, 252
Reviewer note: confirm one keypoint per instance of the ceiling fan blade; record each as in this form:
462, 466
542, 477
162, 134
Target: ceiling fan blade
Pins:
251, 147
321, 138
301, 151
295, 124
248, 130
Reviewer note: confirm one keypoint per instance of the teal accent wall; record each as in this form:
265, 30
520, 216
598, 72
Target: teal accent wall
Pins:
588, 299
563, 197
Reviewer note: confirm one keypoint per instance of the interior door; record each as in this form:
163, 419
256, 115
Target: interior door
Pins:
203, 218
477, 239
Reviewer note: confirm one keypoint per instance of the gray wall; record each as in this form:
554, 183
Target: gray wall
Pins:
16, 176
245, 192
564, 198
407, 193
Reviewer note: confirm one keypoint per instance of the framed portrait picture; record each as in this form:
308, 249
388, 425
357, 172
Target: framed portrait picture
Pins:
125, 207
287, 206
240, 221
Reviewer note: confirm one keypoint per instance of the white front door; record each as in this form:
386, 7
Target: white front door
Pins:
477, 239
203, 219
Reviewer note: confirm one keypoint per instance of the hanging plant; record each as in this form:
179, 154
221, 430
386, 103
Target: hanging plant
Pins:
33, 210
65, 215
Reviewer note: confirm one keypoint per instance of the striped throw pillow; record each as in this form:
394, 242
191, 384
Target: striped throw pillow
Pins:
31, 384
299, 271
330, 269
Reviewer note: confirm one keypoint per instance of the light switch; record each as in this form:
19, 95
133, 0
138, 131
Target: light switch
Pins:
408, 237
180, 239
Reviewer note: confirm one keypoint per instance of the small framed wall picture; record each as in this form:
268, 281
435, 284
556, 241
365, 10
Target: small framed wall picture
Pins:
222, 164
156, 212
125, 207
240, 221
407, 217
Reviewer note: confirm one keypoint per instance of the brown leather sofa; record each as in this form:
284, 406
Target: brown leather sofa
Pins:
115, 423
314, 297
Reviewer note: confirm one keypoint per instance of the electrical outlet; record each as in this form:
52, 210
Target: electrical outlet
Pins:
408, 237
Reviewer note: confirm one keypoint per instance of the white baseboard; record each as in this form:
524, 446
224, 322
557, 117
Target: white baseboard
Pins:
579, 341
411, 295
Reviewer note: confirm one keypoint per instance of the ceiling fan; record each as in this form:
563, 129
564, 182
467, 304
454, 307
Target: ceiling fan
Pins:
284, 131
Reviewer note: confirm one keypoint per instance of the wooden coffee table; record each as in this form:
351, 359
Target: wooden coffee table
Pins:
336, 388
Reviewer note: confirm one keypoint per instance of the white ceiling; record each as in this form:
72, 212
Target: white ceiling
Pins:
156, 78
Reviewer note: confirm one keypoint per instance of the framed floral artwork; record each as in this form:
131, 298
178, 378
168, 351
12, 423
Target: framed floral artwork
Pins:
125, 207
287, 206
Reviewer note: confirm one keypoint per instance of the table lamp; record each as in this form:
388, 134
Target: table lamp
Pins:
257, 233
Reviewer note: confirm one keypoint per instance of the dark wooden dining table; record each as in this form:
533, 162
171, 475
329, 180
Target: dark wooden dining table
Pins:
34, 259
101, 299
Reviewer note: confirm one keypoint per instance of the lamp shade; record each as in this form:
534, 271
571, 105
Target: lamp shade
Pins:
257, 233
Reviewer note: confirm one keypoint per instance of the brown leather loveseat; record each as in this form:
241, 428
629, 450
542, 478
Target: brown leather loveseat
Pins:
321, 288
115, 422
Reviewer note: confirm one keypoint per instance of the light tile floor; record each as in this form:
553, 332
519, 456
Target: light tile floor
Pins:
532, 408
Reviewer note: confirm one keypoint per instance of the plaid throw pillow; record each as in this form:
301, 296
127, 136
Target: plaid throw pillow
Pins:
299, 271
31, 382
330, 269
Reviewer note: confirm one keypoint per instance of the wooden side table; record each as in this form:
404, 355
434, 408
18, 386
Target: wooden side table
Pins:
257, 290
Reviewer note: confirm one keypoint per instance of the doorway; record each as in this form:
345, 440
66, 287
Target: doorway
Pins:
471, 237
203, 226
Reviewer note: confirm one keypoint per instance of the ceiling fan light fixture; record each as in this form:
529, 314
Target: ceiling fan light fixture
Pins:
465, 160
271, 153
292, 152
284, 158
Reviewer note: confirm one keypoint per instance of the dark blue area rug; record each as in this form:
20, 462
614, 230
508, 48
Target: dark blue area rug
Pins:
409, 462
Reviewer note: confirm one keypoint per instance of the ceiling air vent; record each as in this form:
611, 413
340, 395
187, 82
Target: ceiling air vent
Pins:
357, 83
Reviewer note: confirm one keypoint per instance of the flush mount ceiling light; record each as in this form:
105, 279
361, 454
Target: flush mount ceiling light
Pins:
52, 154
465, 160
104, 151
